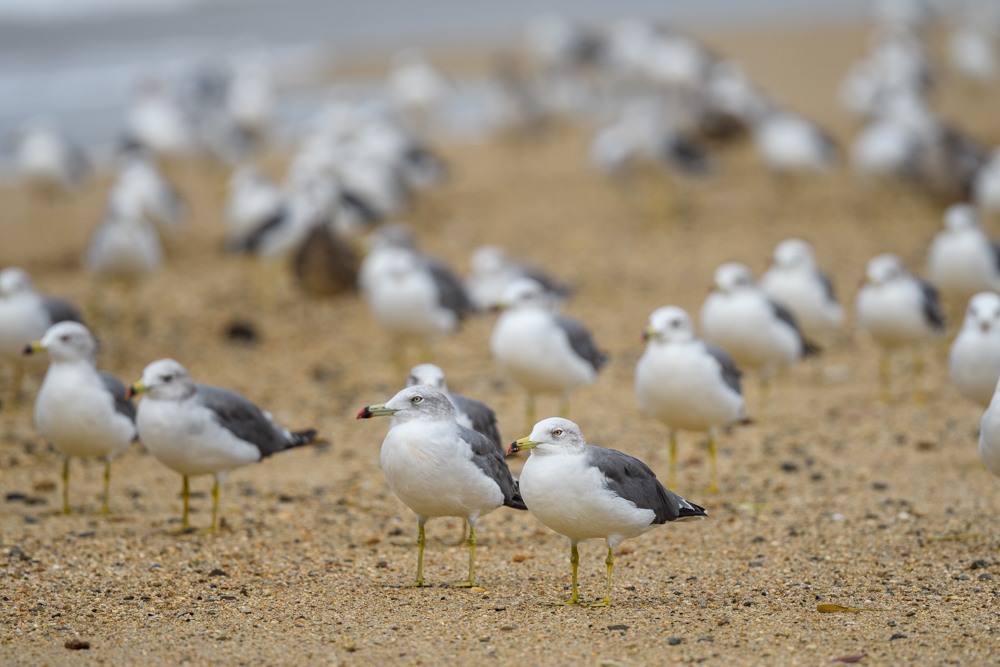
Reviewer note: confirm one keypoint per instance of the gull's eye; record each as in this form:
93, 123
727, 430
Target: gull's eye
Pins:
675, 323
417, 399
557, 432
64, 339
168, 378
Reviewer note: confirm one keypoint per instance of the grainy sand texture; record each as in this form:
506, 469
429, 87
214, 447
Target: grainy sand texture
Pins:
830, 497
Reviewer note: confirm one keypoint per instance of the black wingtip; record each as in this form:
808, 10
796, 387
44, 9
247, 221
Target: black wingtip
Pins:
300, 438
810, 349
693, 511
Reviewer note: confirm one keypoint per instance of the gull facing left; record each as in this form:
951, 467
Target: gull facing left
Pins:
80, 411
586, 492
437, 467
198, 429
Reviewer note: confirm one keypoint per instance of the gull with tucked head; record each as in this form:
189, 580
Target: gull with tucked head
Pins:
586, 492
80, 411
439, 468
198, 429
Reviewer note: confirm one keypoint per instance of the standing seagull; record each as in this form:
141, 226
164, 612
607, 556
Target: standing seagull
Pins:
686, 383
759, 333
586, 492
898, 309
543, 351
25, 315
492, 270
437, 467
469, 412
795, 281
974, 361
198, 429
962, 259
80, 411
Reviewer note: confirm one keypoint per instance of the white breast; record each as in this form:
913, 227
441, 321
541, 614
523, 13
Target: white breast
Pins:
805, 296
184, 436
974, 364
570, 497
989, 437
431, 471
681, 385
409, 306
893, 313
536, 352
75, 413
962, 264
744, 324
22, 320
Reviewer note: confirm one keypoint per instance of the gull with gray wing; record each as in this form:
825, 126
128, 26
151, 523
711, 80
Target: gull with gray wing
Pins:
586, 492
198, 429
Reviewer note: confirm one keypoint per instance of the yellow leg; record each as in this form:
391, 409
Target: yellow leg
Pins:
713, 478
65, 480
106, 507
919, 394
185, 498
471, 581
672, 473
574, 559
885, 377
420, 583
215, 509
610, 562
529, 413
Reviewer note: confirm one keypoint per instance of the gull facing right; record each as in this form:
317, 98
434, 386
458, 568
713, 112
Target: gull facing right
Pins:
974, 360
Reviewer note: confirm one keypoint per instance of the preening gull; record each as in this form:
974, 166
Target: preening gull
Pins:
25, 315
543, 351
795, 281
759, 333
974, 361
438, 467
80, 411
962, 259
898, 310
469, 412
198, 429
586, 492
686, 383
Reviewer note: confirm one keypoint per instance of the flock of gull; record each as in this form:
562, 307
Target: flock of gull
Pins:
662, 100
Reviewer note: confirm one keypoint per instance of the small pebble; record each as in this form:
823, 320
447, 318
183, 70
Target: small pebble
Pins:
898, 635
674, 641
77, 645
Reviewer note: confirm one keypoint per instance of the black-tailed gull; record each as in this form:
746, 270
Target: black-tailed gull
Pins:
543, 351
796, 282
586, 492
897, 309
686, 383
469, 412
759, 333
198, 429
25, 315
974, 360
962, 260
81, 412
438, 467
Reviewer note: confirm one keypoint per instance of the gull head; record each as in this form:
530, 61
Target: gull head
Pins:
166, 380
398, 263
669, 324
794, 254
488, 260
66, 341
428, 375
525, 293
885, 268
983, 313
552, 436
418, 403
732, 277
960, 217
15, 281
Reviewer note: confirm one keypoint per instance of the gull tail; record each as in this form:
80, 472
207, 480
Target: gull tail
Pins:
689, 511
300, 438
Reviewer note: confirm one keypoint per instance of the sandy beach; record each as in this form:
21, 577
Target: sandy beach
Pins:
830, 497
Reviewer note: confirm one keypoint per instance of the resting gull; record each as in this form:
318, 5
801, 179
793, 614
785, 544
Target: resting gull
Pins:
80, 411
438, 467
974, 361
198, 429
897, 309
962, 259
686, 383
586, 492
795, 281
543, 351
